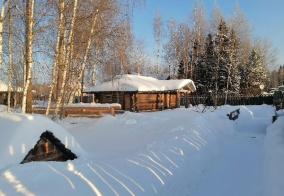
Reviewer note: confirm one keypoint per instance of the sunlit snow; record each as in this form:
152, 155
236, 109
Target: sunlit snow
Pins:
170, 152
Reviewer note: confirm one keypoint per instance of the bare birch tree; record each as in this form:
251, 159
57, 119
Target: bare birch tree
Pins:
2, 16
58, 49
240, 24
78, 82
199, 29
26, 101
216, 18
185, 42
66, 61
140, 57
10, 61
173, 47
157, 27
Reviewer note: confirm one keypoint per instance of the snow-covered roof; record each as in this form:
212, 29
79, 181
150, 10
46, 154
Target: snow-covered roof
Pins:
142, 83
4, 87
21, 133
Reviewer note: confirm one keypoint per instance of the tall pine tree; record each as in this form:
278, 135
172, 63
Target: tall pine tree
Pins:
205, 68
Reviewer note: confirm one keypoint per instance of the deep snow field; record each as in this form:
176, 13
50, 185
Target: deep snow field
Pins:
171, 152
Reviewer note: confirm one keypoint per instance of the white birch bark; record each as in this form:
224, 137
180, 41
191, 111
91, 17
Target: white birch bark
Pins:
81, 71
94, 68
157, 26
67, 59
1, 31
28, 50
10, 63
56, 54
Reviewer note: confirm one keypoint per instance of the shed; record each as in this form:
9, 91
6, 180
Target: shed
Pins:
15, 94
49, 148
140, 93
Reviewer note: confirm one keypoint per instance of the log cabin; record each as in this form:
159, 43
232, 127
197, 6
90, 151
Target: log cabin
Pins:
141, 93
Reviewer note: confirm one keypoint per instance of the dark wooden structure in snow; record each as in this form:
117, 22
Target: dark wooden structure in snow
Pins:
278, 100
234, 114
49, 148
141, 93
15, 95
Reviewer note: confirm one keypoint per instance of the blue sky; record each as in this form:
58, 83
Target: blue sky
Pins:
266, 17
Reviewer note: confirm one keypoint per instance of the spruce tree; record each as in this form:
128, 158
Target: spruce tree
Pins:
235, 60
281, 75
210, 64
221, 60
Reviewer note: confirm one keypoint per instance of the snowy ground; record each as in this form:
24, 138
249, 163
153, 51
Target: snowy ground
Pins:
171, 152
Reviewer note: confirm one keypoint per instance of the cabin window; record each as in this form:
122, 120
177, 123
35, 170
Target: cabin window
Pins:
108, 98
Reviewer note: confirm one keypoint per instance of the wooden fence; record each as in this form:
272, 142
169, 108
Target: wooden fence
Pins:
278, 100
89, 112
232, 100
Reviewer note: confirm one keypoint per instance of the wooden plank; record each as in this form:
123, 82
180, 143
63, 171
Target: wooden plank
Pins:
85, 112
116, 107
81, 115
42, 112
78, 111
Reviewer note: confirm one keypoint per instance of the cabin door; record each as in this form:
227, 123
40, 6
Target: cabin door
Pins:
127, 100
167, 100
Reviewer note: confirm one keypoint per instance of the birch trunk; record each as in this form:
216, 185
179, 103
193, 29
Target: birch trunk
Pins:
28, 52
69, 49
1, 31
73, 75
94, 68
59, 40
70, 78
61, 48
157, 25
10, 63
81, 71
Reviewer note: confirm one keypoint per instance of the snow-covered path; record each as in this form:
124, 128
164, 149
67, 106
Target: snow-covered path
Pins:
239, 170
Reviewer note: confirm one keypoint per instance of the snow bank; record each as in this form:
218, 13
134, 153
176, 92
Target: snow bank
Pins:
20, 132
3, 108
274, 158
170, 152
153, 148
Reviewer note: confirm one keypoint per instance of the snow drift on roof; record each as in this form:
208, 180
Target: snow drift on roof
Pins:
21, 133
142, 83
4, 87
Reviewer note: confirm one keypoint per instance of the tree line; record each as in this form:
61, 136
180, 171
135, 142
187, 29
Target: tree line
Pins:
219, 55
57, 47
277, 77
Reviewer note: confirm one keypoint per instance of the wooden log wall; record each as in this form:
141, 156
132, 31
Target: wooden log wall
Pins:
154, 101
133, 101
173, 100
148, 101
